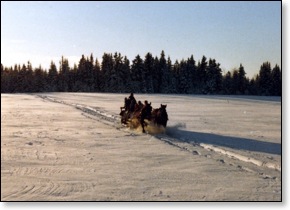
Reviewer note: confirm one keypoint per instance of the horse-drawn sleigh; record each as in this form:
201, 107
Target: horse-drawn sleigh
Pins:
135, 113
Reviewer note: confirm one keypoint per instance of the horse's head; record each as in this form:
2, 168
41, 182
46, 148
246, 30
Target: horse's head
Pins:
163, 107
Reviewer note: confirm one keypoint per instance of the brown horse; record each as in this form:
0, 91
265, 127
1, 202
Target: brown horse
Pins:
160, 116
145, 114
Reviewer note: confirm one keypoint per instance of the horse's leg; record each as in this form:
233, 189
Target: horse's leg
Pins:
142, 124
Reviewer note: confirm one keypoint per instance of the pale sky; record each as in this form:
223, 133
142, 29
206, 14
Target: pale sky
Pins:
231, 32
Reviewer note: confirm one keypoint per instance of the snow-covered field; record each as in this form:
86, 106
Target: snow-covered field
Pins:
71, 146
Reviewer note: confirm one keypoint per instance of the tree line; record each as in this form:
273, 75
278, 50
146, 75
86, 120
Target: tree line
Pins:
145, 75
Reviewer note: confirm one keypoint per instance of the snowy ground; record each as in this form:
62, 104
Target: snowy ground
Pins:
71, 146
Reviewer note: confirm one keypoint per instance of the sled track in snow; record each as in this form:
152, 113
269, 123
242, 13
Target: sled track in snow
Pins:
114, 121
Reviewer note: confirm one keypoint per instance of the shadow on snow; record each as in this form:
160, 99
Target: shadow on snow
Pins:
237, 143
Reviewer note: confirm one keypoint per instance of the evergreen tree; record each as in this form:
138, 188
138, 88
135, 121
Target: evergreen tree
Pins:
137, 71
182, 77
235, 82
29, 78
191, 75
7, 80
247, 85
170, 87
85, 74
253, 85
107, 76
265, 79
122, 74
90, 73
3, 80
241, 80
147, 82
175, 77
227, 84
74, 79
188, 76
126, 75
39, 80
214, 77
276, 87
97, 76
52, 77
22, 83
14, 76
156, 75
64, 75
164, 71
201, 75
113, 80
